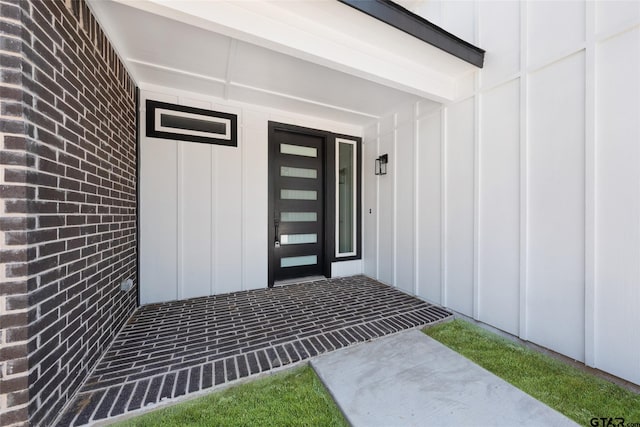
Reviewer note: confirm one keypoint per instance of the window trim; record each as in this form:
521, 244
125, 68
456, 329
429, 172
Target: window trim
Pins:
154, 128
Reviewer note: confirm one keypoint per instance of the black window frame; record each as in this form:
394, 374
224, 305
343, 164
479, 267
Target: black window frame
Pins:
151, 131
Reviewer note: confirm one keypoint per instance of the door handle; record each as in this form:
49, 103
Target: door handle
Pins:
276, 224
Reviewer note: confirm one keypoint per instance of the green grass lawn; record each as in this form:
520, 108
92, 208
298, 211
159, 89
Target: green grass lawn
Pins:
292, 398
577, 394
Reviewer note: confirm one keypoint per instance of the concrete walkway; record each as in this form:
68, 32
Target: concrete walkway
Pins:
409, 379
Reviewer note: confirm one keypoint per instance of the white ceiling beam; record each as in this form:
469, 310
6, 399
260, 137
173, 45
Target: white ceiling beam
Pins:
233, 46
306, 101
176, 71
229, 84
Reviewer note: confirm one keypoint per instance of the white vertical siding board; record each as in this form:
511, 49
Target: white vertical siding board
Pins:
346, 268
378, 127
460, 212
426, 108
523, 174
212, 221
499, 208
476, 202
370, 209
443, 206
386, 207
416, 199
431, 10
193, 213
458, 18
158, 271
387, 124
617, 216
405, 115
255, 200
228, 219
429, 157
194, 207
590, 196
158, 201
501, 42
243, 205
394, 202
404, 211
554, 29
180, 220
243, 201
556, 209
404, 183
611, 16
477, 126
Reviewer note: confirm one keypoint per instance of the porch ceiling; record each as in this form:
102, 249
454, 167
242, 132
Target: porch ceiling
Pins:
319, 58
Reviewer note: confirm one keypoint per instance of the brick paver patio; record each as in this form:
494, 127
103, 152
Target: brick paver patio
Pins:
171, 349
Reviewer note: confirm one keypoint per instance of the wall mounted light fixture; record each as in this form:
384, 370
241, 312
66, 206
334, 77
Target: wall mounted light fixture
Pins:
381, 164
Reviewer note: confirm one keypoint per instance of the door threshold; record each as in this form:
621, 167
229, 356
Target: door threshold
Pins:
298, 280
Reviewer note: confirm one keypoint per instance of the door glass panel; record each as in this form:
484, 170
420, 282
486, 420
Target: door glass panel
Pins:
296, 261
298, 216
346, 198
298, 172
298, 239
298, 150
287, 194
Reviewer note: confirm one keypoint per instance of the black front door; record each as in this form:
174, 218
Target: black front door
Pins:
296, 166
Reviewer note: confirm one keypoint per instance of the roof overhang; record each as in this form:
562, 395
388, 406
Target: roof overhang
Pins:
316, 56
397, 16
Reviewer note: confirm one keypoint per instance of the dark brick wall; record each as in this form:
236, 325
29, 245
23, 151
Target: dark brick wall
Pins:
68, 203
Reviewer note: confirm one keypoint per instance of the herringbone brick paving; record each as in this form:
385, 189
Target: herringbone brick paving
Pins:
168, 350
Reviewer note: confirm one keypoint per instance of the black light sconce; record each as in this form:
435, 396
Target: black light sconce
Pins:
381, 164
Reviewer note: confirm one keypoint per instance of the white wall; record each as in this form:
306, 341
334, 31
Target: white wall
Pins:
527, 208
203, 208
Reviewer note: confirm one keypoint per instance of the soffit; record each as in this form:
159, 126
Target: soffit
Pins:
181, 45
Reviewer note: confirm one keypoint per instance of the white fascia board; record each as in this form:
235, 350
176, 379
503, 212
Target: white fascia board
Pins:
273, 26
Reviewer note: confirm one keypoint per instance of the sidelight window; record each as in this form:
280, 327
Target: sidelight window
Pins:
346, 197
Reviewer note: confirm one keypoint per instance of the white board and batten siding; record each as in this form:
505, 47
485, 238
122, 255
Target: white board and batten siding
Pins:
203, 207
527, 209
617, 207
